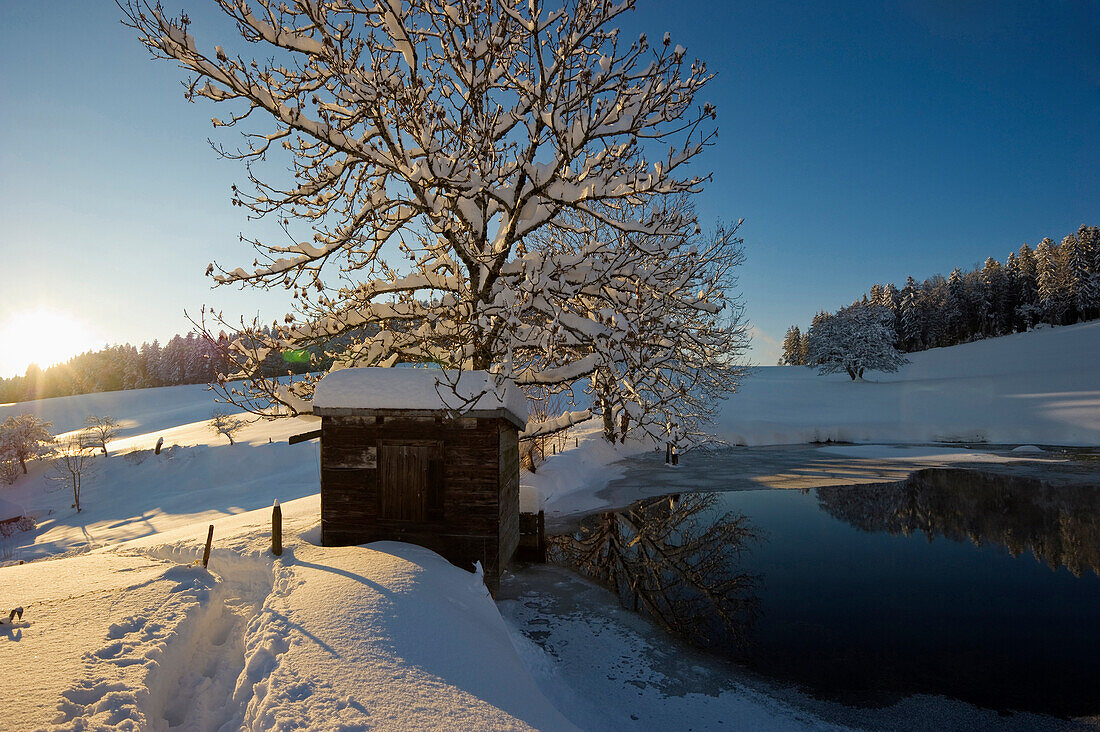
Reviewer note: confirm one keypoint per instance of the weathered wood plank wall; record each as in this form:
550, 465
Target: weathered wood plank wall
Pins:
474, 461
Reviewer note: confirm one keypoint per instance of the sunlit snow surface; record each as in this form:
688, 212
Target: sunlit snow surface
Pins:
1041, 387
392, 636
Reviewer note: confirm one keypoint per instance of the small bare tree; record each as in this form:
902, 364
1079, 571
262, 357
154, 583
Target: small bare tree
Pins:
226, 424
72, 464
101, 430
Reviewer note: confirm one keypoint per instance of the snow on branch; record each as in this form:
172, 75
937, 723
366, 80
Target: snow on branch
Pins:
557, 424
481, 185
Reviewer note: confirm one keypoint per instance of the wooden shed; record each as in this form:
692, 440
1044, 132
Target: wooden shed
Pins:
423, 456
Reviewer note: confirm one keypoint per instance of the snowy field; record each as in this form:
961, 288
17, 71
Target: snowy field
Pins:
1040, 387
122, 630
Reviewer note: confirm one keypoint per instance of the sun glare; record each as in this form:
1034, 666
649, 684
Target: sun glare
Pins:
42, 336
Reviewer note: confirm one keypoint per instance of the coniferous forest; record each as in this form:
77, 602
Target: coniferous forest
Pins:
1052, 283
190, 359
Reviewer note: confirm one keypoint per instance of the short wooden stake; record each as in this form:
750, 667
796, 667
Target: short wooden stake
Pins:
206, 552
668, 453
277, 530
675, 457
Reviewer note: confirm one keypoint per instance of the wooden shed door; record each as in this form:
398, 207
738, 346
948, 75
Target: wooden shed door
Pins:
408, 477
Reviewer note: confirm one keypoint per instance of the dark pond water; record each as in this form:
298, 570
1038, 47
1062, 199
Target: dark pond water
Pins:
979, 588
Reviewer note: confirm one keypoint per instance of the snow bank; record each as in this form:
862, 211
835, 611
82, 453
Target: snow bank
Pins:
1039, 387
567, 482
388, 636
397, 639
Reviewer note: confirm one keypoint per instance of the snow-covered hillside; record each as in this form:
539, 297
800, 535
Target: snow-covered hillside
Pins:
1039, 387
138, 410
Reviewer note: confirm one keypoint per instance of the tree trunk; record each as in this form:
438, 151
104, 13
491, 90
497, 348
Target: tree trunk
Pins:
23, 462
608, 420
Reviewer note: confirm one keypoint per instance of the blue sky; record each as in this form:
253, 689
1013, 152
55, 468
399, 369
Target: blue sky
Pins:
860, 141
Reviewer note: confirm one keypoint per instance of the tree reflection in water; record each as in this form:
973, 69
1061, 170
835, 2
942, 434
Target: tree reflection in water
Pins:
1060, 525
674, 560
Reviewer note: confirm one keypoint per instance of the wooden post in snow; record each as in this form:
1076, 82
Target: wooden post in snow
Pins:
277, 530
206, 552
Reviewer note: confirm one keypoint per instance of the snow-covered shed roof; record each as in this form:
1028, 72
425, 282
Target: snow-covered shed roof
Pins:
376, 391
9, 510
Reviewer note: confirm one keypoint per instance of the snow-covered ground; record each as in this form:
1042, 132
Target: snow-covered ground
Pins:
132, 492
139, 411
140, 636
1039, 387
123, 630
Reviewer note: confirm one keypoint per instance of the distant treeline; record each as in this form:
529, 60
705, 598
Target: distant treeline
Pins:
1058, 284
190, 359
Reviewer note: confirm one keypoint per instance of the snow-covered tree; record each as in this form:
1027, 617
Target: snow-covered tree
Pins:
1080, 281
933, 301
955, 308
992, 297
909, 325
793, 355
23, 437
663, 362
856, 338
1027, 288
431, 144
1088, 237
1048, 281
889, 298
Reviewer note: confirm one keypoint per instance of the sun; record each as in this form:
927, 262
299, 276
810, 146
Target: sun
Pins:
43, 336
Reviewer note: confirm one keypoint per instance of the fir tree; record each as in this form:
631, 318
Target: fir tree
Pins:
1047, 281
955, 316
909, 319
792, 348
992, 298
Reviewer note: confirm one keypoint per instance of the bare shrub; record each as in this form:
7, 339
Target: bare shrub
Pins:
101, 430
226, 424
